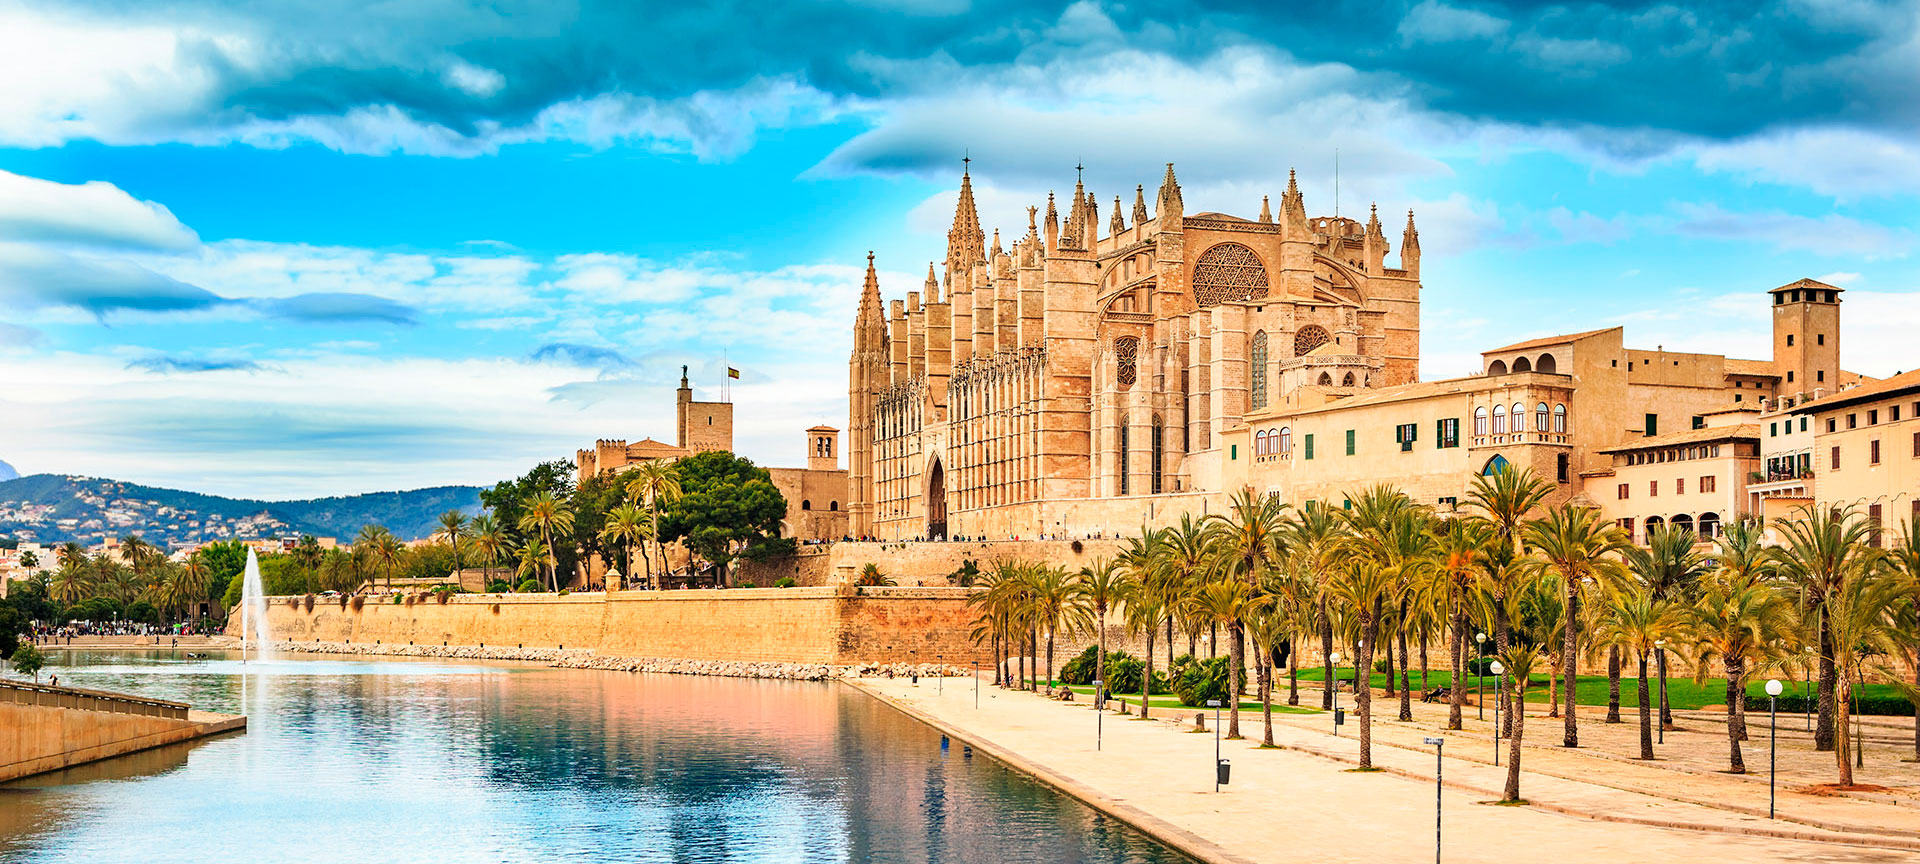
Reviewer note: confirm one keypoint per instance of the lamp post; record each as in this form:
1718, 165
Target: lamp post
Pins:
976, 685
1096, 714
1773, 738
1806, 689
1335, 684
1660, 715
1499, 685
940, 689
1479, 681
1215, 705
1439, 766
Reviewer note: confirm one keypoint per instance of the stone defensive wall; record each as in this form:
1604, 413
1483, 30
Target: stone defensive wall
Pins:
828, 625
921, 562
44, 728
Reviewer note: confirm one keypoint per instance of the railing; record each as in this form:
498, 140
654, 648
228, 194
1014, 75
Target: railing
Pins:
23, 693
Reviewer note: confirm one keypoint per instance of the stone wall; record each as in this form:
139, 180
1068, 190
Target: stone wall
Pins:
47, 728
786, 625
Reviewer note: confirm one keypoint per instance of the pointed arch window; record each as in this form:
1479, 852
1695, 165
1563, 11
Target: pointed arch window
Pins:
1259, 360
1347, 381
1326, 380
1159, 450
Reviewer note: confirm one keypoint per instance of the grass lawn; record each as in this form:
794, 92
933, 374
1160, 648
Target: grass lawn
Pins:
1171, 702
1682, 693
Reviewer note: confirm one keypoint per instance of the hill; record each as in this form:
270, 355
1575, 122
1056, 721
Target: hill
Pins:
54, 508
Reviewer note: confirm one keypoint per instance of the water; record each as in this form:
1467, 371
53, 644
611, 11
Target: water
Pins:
253, 613
375, 760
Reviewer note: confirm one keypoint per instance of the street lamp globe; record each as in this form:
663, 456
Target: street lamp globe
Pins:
1497, 668
1479, 637
1335, 657
1773, 687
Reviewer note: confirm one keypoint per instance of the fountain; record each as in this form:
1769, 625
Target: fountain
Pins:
253, 613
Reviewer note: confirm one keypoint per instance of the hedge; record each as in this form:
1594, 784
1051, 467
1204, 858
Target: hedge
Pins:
1872, 706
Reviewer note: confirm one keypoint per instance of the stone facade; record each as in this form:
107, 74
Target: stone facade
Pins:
1866, 451
1059, 385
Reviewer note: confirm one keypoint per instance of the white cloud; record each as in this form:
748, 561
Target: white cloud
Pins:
1840, 162
1432, 21
99, 213
1832, 234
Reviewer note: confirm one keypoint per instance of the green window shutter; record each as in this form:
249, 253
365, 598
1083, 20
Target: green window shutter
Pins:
1234, 452
1349, 442
1309, 445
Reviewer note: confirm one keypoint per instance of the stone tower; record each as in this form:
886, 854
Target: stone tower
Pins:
868, 374
1806, 337
823, 450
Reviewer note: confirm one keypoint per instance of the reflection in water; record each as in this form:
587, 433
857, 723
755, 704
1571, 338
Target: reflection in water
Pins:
394, 760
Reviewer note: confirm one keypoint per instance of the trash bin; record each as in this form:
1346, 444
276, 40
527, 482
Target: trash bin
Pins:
1339, 716
1226, 771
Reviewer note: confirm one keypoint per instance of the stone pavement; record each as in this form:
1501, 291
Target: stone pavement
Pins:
1304, 802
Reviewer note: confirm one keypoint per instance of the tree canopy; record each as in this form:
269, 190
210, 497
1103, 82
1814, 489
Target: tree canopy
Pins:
727, 508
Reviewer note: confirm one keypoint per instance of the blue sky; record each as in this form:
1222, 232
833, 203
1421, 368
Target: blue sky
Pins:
289, 249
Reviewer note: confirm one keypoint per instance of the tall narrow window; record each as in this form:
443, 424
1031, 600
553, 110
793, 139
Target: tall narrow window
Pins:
1560, 418
1499, 419
1159, 451
1124, 442
1126, 353
1519, 417
1480, 421
1259, 376
1540, 416
1286, 440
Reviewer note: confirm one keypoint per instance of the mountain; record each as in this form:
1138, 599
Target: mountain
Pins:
7, 472
54, 508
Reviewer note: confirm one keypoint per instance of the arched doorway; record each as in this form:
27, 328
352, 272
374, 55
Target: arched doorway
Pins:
937, 502
1495, 465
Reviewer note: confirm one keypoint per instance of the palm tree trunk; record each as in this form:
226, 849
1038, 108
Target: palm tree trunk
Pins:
1020, 683
1456, 673
1646, 712
1666, 711
1213, 640
1423, 665
1146, 676
1406, 682
1391, 692
1363, 690
1823, 727
1735, 733
1235, 681
1293, 685
1266, 699
1169, 640
1100, 661
1049, 684
1502, 635
1570, 647
1327, 684
1513, 754
1613, 684
1841, 733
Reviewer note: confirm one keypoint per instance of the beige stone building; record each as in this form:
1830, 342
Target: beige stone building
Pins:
1695, 478
1866, 450
816, 495
1087, 377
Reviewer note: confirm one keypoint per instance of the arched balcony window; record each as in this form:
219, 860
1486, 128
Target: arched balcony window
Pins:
1519, 417
1540, 417
1560, 418
1286, 440
1480, 420
1499, 419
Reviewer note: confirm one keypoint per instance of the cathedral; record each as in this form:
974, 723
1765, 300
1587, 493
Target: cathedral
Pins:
1084, 377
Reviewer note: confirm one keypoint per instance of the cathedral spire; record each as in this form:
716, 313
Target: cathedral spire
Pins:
1410, 249
1053, 226
1266, 212
1170, 202
1139, 204
1118, 223
1373, 223
932, 289
995, 250
966, 243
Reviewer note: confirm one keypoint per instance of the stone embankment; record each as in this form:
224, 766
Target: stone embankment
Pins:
583, 659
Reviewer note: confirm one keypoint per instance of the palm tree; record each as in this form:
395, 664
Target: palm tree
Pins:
1520, 661
1638, 619
1248, 540
490, 538
1106, 586
1903, 559
1576, 545
365, 544
1059, 604
871, 577
548, 515
1316, 538
1143, 616
1822, 551
1184, 560
73, 580
655, 482
1362, 587
1859, 617
1505, 497
1153, 599
192, 579
1670, 566
388, 550
1741, 624
1226, 602
535, 557
453, 526
308, 553
1461, 548
1740, 553
1267, 623
626, 525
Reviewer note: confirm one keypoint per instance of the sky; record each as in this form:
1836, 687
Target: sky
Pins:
287, 249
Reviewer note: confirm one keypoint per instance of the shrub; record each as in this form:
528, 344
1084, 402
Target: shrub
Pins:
27, 660
499, 587
748, 583
1123, 675
1480, 666
1079, 670
785, 582
565, 591
1201, 680
1380, 665
403, 598
529, 586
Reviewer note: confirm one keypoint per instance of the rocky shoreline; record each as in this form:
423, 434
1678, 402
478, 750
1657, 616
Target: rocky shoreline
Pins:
586, 659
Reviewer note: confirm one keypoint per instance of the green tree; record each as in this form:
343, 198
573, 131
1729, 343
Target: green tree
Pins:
1107, 587
1520, 661
546, 516
27, 660
452, 527
12, 626
655, 483
308, 553
1743, 625
596, 497
726, 505
490, 539
507, 501
1638, 619
1579, 547
626, 525
1823, 550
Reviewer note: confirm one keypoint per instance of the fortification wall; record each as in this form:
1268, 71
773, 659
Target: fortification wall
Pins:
49, 728
789, 625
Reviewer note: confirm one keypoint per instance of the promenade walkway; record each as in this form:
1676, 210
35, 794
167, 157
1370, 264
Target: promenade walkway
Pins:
1303, 801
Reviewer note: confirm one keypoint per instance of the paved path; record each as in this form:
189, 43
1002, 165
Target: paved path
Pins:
1302, 802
